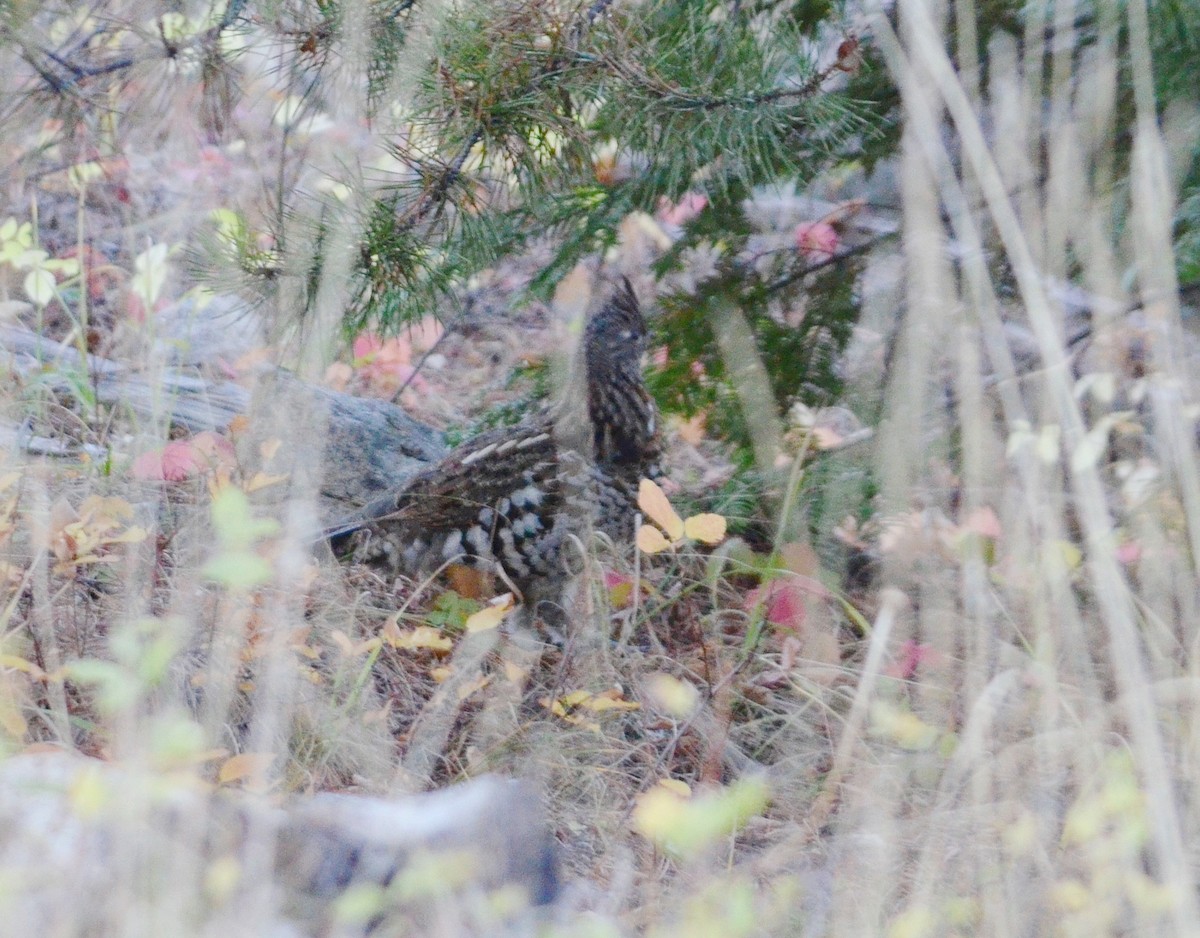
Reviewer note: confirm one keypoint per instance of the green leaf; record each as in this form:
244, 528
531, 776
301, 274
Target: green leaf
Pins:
234, 519
238, 569
39, 286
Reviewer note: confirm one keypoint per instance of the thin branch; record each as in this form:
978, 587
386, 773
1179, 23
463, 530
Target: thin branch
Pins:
435, 196
682, 101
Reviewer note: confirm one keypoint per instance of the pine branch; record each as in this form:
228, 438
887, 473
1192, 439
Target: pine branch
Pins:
674, 98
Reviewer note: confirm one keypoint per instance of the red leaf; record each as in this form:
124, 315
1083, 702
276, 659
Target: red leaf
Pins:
817, 240
182, 459
783, 603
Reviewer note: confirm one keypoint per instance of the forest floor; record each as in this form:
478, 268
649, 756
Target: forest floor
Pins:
753, 736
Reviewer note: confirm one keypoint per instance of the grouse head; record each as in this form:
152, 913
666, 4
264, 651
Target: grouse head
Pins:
621, 412
615, 337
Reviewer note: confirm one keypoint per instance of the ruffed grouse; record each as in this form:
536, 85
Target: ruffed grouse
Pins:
512, 500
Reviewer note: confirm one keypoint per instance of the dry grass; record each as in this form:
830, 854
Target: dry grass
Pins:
1007, 747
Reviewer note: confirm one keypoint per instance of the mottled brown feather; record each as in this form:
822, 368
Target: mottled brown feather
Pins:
514, 497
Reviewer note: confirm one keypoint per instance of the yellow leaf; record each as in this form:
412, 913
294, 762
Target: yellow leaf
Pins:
902, 727
619, 595
1071, 894
683, 824
268, 448
81, 174
1071, 555
660, 812
20, 664
313, 676
706, 527
88, 793
422, 637
600, 703
133, 535
479, 683
653, 502
11, 719
245, 765
222, 878
261, 480
106, 507
651, 541
342, 640
440, 674
391, 630
87, 558
914, 922
491, 615
677, 698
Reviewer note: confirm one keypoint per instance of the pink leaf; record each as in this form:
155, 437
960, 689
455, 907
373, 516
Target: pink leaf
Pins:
386, 364
817, 240
1129, 552
148, 467
366, 345
180, 460
912, 656
984, 521
690, 205
612, 578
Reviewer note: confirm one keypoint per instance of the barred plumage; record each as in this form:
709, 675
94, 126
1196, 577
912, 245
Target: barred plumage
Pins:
512, 499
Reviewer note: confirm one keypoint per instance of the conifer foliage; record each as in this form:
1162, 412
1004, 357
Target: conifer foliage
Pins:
539, 118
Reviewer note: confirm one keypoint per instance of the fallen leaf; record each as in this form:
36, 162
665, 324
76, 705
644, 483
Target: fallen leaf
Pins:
260, 480
783, 603
706, 527
491, 615
599, 703
20, 664
653, 501
422, 637
677, 698
650, 540
245, 766
477, 684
